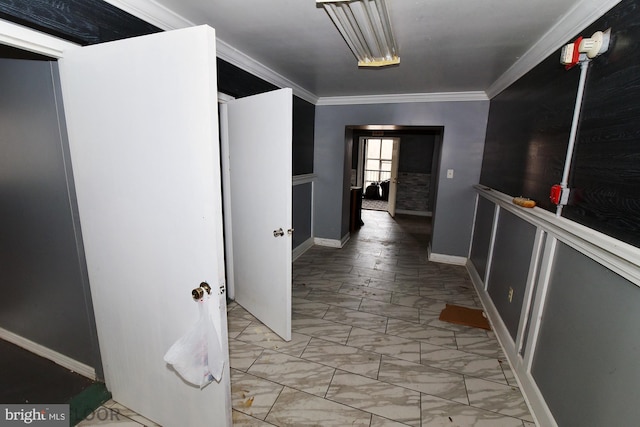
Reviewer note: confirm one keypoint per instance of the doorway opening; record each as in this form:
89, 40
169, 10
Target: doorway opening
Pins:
377, 162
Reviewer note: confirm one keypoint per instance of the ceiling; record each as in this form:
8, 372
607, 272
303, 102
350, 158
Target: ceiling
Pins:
445, 46
449, 50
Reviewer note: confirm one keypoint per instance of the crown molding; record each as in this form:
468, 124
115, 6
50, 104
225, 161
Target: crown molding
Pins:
153, 13
161, 17
583, 14
232, 55
404, 98
33, 41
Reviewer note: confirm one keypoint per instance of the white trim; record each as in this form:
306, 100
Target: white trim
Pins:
404, 98
415, 213
332, 243
446, 259
618, 256
233, 56
33, 41
303, 179
153, 13
47, 353
164, 18
303, 247
533, 397
579, 17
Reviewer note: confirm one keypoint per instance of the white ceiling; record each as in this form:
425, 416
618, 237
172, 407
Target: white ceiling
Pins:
469, 46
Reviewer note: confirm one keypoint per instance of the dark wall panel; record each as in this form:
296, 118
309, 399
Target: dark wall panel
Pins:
510, 267
302, 204
304, 114
45, 291
586, 362
606, 176
529, 125
482, 236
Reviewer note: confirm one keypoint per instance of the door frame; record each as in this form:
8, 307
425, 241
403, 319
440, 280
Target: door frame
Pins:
227, 221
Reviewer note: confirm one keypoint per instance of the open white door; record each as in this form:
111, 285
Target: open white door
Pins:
393, 182
143, 133
260, 137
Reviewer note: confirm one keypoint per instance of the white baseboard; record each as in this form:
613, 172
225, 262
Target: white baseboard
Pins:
530, 391
332, 243
47, 353
416, 213
446, 259
302, 248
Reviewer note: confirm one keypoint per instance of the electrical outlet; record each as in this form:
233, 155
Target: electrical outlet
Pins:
510, 293
450, 173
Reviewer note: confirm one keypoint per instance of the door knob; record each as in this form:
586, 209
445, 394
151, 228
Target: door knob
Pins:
278, 233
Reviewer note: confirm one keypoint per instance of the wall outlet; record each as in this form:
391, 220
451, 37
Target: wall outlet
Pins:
510, 293
450, 173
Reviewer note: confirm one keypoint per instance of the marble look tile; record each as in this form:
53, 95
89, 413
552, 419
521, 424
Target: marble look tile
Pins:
243, 354
390, 345
332, 298
374, 274
357, 318
484, 346
500, 398
390, 310
260, 335
330, 331
308, 308
235, 325
430, 318
419, 332
294, 372
421, 302
396, 403
424, 379
362, 291
347, 278
252, 395
402, 287
438, 412
508, 373
378, 421
239, 312
343, 357
105, 416
461, 362
300, 291
295, 408
242, 420
528, 424
320, 284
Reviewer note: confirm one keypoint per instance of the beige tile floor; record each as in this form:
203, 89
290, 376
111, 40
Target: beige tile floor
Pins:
367, 346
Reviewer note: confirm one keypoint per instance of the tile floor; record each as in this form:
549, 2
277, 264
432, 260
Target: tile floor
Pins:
367, 346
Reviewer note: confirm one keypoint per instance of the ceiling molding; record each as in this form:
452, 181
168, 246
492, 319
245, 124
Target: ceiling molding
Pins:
582, 15
33, 41
166, 19
404, 98
234, 56
153, 13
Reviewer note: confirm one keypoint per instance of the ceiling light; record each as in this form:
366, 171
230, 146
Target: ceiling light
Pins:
365, 26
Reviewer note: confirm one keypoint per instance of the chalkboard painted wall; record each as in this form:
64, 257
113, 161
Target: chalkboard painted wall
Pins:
529, 125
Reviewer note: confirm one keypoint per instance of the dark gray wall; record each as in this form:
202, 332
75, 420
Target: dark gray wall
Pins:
588, 352
45, 292
482, 236
302, 204
510, 267
530, 122
416, 152
462, 145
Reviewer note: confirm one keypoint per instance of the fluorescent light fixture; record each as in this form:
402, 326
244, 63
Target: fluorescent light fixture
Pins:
365, 26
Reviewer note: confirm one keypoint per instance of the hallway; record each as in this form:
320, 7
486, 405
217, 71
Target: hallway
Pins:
367, 346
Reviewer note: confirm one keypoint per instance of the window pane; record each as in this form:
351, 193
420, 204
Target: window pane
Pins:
385, 165
372, 165
387, 149
373, 148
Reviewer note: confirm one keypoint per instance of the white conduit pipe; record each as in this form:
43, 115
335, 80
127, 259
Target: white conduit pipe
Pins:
584, 66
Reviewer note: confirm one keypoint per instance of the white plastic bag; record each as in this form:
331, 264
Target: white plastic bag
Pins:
197, 356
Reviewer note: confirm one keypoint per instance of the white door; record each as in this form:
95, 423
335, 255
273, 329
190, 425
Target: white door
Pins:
143, 133
393, 182
260, 131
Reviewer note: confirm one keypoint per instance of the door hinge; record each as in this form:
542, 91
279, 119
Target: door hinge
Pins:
223, 289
